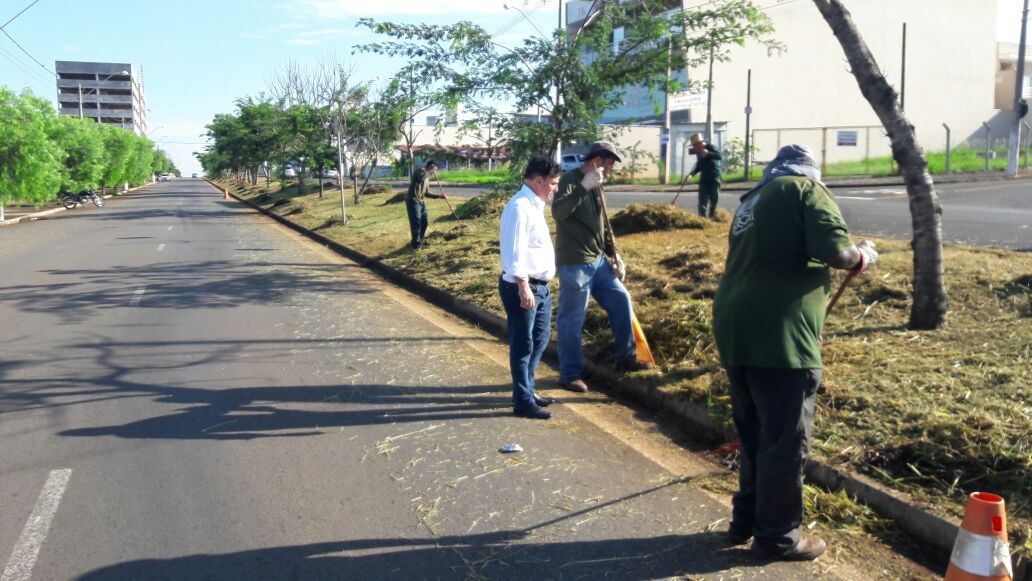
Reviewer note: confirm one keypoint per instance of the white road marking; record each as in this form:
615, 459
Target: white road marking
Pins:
136, 297
973, 188
169, 228
883, 191
26, 550
161, 247
855, 198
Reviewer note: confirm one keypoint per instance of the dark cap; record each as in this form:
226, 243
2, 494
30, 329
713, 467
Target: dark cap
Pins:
430, 163
603, 149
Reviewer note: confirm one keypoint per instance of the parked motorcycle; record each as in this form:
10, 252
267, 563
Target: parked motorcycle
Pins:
71, 199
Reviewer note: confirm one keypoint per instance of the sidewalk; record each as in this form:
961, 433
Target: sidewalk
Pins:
27, 212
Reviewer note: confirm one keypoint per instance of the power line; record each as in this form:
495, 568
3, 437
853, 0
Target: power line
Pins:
18, 14
27, 53
32, 75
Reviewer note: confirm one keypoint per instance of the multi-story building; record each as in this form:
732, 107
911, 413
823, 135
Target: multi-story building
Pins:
108, 93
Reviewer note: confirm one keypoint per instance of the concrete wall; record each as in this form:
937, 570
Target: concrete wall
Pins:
950, 69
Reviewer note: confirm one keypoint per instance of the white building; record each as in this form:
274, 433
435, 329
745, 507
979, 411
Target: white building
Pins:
108, 93
808, 95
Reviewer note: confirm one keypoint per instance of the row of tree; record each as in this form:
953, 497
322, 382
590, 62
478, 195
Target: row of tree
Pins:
43, 153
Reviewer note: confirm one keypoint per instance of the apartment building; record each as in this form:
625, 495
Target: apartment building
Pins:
110, 93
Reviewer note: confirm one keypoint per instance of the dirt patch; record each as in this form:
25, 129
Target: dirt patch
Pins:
651, 217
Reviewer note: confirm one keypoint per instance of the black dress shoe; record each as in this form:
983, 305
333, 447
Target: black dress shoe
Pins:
534, 413
543, 402
738, 538
634, 365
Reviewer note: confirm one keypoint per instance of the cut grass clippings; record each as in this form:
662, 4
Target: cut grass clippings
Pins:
937, 414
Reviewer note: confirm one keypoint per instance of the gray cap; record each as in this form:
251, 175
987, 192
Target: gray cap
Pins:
602, 148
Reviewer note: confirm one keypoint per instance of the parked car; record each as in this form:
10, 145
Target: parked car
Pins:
330, 173
165, 177
194, 175
571, 161
288, 172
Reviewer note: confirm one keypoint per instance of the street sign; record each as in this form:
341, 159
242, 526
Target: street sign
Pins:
686, 100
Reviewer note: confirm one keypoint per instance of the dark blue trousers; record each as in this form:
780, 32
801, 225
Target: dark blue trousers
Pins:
418, 220
773, 413
530, 330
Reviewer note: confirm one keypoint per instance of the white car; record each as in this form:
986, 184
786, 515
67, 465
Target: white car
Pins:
570, 161
288, 172
165, 177
329, 173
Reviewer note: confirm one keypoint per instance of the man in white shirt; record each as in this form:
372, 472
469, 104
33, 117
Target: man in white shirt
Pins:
528, 263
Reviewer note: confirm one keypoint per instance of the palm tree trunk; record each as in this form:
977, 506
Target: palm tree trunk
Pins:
930, 302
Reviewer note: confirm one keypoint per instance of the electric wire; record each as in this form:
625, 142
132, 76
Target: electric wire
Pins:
18, 14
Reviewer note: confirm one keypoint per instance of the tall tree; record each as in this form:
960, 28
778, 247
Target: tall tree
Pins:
82, 152
930, 302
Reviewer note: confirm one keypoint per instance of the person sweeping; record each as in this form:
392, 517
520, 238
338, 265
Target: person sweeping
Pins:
419, 188
767, 320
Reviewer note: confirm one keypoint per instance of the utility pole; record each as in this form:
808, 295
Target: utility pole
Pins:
559, 141
80, 100
709, 100
748, 113
1020, 105
903, 72
664, 140
340, 171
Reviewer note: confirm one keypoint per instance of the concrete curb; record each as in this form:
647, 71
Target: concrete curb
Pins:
37, 215
930, 528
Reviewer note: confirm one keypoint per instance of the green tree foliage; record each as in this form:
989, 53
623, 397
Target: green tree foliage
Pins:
30, 167
589, 70
43, 153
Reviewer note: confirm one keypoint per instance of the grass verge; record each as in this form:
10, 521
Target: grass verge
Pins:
938, 414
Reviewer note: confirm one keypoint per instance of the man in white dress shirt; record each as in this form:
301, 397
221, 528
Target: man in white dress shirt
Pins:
528, 263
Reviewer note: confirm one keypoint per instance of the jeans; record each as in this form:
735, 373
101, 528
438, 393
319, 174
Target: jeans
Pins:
417, 220
576, 283
708, 195
530, 330
773, 413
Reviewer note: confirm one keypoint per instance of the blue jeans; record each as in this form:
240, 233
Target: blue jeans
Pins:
530, 330
418, 220
577, 282
773, 412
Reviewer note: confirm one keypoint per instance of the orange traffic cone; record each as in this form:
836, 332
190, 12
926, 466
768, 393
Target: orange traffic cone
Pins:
981, 551
225, 193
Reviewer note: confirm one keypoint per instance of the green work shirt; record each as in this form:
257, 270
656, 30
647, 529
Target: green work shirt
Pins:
419, 187
709, 169
579, 229
769, 308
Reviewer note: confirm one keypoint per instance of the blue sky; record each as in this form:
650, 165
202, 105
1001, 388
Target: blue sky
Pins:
198, 56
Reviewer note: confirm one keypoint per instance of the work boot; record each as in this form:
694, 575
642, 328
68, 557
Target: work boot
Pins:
807, 549
543, 402
534, 413
576, 385
634, 365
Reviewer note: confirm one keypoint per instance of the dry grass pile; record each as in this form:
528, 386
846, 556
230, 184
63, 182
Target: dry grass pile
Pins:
651, 217
397, 198
488, 205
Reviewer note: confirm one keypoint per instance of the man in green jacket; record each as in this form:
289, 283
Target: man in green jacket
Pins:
419, 188
710, 172
767, 320
588, 266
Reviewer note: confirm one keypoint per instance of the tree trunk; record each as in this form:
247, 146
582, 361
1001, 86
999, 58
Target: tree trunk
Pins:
930, 300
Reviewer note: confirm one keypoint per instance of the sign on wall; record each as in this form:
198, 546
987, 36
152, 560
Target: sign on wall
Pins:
847, 138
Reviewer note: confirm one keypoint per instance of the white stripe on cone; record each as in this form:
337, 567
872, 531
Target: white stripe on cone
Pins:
983, 555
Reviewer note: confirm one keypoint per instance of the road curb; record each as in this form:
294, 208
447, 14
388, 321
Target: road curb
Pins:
37, 215
930, 528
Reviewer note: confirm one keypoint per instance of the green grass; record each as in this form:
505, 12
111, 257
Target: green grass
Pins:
474, 176
937, 414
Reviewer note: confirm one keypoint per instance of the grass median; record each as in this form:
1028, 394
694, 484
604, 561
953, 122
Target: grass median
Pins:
937, 414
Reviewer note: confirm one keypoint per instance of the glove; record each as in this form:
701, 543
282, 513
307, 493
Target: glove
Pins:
592, 179
619, 268
868, 256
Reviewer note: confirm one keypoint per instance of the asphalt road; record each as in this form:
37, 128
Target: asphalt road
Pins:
988, 213
188, 391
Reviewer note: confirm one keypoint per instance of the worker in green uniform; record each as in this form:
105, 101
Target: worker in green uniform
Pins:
419, 188
711, 174
767, 319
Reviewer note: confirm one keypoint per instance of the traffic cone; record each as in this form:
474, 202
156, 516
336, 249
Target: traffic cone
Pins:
225, 193
981, 551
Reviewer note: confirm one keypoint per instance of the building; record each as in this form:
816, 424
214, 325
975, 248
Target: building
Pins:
110, 93
807, 94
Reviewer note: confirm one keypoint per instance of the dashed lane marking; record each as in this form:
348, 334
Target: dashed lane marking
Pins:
161, 247
169, 228
137, 296
26, 550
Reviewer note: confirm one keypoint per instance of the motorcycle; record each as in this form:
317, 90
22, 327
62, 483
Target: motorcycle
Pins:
71, 199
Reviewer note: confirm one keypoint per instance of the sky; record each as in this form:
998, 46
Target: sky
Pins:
199, 56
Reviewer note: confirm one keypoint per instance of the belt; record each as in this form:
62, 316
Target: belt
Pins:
533, 280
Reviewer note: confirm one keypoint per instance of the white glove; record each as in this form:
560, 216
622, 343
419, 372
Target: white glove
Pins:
592, 179
619, 268
868, 256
